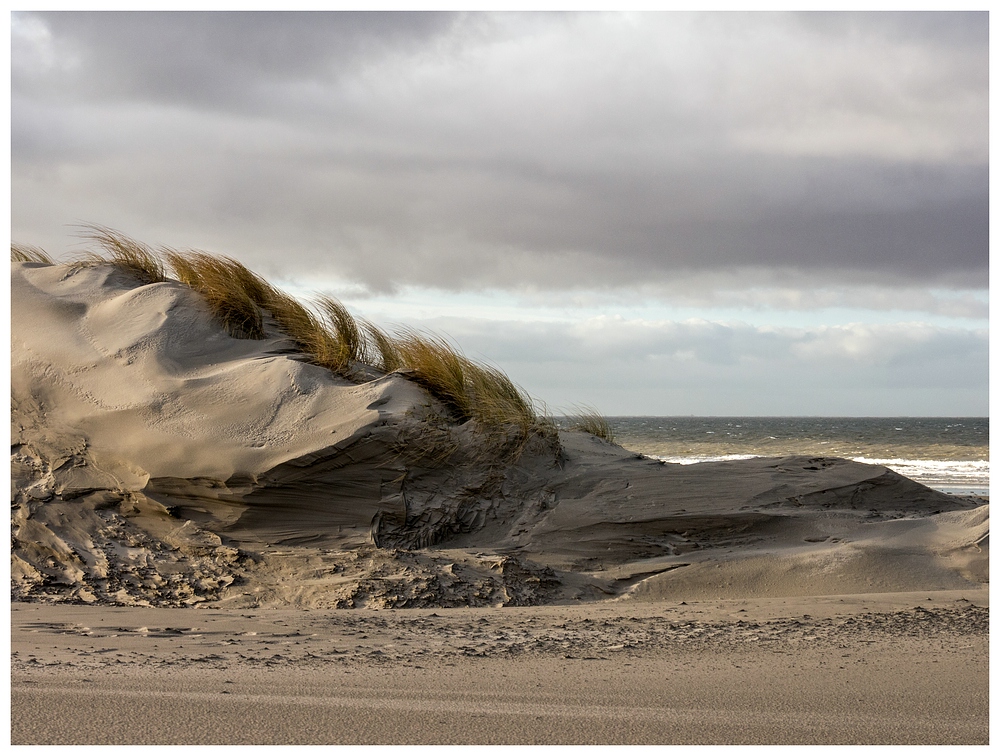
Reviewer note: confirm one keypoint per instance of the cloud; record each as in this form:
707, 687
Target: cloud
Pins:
215, 61
470, 151
701, 367
609, 338
787, 291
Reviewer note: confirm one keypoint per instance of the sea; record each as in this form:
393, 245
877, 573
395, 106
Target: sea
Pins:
950, 454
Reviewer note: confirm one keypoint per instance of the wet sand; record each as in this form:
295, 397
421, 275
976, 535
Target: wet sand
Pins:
891, 668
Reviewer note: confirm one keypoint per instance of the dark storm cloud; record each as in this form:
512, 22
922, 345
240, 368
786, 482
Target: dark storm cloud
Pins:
215, 60
515, 150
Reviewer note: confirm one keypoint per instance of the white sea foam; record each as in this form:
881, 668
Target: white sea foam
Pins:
950, 475
695, 460
953, 476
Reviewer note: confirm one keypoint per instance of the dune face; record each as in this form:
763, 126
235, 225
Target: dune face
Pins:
156, 459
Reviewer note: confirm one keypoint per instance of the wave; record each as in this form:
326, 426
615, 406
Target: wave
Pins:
949, 475
952, 476
696, 460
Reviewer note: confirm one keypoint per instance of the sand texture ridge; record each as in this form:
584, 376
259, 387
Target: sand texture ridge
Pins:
191, 510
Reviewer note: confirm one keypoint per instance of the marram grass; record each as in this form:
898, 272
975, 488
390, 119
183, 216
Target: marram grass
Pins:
329, 336
27, 253
349, 344
128, 255
219, 281
383, 349
589, 420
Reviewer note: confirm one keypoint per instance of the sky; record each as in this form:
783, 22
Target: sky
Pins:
647, 213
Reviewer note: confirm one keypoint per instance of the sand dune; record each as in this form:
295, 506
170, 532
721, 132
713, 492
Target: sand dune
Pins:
584, 593
157, 459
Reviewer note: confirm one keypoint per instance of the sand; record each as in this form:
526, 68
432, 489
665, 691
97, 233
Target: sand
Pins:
890, 668
215, 541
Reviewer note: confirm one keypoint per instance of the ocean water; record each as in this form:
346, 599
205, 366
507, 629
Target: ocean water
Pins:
949, 454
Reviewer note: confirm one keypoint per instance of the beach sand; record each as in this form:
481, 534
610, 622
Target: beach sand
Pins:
214, 541
877, 668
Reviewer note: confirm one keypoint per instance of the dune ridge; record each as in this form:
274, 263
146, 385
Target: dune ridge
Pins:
160, 458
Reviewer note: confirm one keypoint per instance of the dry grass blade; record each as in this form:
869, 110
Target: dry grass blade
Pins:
589, 420
438, 367
27, 253
351, 344
221, 281
307, 331
382, 350
126, 254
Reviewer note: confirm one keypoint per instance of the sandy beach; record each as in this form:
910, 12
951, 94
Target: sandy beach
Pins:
219, 540
897, 668
387, 377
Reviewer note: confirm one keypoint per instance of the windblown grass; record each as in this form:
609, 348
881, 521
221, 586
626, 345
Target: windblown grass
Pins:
383, 351
499, 401
126, 254
349, 341
326, 334
314, 338
27, 253
438, 367
472, 391
221, 281
589, 420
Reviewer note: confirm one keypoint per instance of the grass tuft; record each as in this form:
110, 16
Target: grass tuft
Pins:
383, 352
589, 420
126, 254
439, 367
306, 330
499, 401
27, 253
222, 282
472, 391
348, 339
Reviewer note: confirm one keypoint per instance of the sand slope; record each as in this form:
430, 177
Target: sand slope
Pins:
156, 459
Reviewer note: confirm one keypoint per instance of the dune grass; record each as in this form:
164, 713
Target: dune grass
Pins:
325, 333
471, 390
383, 350
349, 344
27, 253
239, 298
589, 420
126, 254
219, 281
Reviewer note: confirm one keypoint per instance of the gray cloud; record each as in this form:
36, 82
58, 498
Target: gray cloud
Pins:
747, 290
476, 151
213, 61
